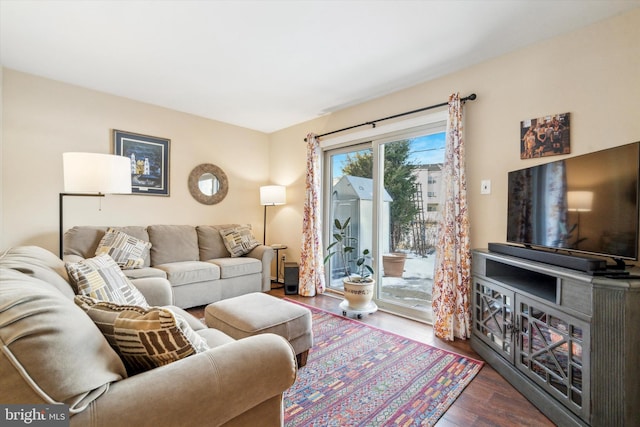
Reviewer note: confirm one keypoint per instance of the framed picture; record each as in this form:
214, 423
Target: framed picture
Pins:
545, 136
149, 161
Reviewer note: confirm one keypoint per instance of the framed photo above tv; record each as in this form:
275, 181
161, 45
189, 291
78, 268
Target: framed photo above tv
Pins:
149, 161
545, 136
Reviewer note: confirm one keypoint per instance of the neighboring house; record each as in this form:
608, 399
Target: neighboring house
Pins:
429, 201
430, 178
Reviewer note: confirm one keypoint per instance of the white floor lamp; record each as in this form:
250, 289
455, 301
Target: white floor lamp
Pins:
93, 175
271, 195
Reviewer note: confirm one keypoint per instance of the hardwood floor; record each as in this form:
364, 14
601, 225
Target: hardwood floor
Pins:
489, 400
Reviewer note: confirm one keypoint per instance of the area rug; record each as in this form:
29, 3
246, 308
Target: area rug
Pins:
359, 375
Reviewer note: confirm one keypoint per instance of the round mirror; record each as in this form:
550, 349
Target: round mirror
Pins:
208, 184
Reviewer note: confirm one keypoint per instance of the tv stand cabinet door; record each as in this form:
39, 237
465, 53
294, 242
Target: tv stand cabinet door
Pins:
553, 350
493, 316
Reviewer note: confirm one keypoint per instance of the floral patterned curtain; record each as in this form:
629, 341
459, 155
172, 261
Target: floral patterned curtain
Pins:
452, 276
311, 259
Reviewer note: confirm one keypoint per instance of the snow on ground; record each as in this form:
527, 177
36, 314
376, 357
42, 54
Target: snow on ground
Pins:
415, 286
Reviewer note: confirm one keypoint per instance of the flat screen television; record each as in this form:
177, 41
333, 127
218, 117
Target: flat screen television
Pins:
586, 204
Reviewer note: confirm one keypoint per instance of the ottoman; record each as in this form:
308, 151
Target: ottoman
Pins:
259, 313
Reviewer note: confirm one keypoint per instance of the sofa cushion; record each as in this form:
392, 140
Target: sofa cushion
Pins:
51, 350
83, 240
234, 267
214, 337
143, 337
210, 241
101, 278
186, 272
172, 243
239, 240
39, 263
127, 251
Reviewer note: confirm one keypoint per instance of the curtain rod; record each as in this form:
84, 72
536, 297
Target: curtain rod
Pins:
373, 122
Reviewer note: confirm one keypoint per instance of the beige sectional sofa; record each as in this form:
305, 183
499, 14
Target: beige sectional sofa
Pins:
52, 352
194, 259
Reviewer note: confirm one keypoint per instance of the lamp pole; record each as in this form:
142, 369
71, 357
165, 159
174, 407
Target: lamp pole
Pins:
61, 212
264, 227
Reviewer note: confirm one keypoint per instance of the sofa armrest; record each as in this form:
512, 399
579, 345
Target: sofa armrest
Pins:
206, 389
264, 254
156, 291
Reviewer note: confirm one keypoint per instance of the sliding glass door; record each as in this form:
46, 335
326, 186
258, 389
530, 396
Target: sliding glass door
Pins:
391, 189
349, 177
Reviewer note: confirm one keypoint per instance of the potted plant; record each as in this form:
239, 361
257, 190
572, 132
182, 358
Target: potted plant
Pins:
393, 264
358, 288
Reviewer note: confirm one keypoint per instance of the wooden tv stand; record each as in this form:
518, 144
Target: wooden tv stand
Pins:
568, 341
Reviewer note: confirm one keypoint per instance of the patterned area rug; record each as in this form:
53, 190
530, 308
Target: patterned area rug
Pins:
358, 375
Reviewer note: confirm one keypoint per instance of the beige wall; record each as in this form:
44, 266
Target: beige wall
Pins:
593, 73
43, 118
2, 191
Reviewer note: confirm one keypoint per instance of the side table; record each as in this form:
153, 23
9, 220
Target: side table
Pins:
278, 248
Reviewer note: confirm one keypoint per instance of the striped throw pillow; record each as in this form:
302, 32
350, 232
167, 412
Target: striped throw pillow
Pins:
144, 338
238, 240
127, 251
101, 278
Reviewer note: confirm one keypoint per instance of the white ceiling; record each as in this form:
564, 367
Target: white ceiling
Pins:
267, 65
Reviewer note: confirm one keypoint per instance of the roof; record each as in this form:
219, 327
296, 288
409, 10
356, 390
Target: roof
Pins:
357, 187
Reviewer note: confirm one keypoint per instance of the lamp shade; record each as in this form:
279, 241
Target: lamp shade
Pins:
96, 173
579, 201
273, 195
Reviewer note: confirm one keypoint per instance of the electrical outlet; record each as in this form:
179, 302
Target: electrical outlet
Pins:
485, 186
283, 258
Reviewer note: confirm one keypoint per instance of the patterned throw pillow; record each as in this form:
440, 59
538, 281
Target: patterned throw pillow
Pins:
127, 251
239, 240
144, 338
101, 278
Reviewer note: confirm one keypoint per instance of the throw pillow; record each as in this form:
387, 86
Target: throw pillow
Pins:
127, 251
101, 278
239, 240
144, 338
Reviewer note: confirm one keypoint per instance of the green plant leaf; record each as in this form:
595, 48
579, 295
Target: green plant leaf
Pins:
326, 259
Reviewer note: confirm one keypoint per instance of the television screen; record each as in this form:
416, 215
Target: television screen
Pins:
586, 204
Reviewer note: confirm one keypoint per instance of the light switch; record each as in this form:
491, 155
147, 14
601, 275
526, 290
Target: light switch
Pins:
485, 186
